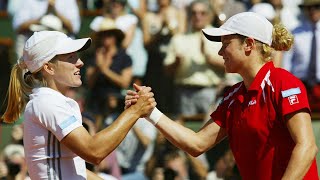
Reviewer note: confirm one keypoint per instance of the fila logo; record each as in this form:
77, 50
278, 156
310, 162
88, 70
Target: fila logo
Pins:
252, 102
293, 99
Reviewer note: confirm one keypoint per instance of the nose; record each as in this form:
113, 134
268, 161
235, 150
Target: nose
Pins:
79, 63
220, 51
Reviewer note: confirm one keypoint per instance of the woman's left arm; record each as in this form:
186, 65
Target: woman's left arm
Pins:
305, 150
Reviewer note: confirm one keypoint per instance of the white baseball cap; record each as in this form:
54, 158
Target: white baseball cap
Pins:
42, 46
248, 24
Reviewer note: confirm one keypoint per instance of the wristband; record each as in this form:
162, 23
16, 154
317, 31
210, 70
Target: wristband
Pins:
154, 116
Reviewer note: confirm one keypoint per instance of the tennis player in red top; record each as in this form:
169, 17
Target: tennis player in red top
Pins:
266, 116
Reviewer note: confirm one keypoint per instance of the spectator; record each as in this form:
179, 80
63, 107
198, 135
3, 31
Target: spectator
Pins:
15, 161
133, 41
109, 73
287, 12
223, 9
17, 134
167, 161
303, 60
196, 68
50, 14
3, 170
132, 152
158, 28
138, 8
225, 168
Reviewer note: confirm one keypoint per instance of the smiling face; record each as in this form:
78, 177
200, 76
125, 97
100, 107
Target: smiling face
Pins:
65, 71
232, 52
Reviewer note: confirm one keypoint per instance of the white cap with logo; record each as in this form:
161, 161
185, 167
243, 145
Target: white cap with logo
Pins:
248, 24
42, 46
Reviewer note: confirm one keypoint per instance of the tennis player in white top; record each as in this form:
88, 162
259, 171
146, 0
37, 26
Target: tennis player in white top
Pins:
56, 144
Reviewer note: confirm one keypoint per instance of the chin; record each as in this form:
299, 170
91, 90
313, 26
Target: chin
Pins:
77, 84
229, 70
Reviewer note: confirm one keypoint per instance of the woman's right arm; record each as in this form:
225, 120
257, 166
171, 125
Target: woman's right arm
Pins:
95, 148
194, 143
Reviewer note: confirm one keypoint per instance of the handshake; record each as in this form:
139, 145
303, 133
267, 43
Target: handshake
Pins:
142, 100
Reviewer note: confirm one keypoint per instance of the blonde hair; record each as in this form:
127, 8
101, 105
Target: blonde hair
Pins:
20, 86
282, 40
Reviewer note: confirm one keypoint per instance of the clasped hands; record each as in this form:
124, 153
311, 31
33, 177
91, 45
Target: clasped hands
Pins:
141, 100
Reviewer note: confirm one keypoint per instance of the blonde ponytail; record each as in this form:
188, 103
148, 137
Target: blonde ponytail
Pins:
16, 96
282, 39
20, 87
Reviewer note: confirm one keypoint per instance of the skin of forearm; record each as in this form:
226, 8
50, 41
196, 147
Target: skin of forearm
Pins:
129, 37
180, 136
117, 79
118, 129
145, 31
300, 161
146, 39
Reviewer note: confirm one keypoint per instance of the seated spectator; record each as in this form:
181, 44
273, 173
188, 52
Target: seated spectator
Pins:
133, 41
34, 15
110, 72
14, 159
168, 162
3, 170
303, 59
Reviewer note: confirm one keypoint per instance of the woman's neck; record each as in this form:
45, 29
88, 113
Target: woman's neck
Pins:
250, 73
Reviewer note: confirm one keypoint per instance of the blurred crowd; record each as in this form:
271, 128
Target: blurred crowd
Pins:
158, 43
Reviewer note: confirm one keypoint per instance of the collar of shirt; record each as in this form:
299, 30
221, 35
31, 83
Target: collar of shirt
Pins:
45, 90
48, 91
261, 75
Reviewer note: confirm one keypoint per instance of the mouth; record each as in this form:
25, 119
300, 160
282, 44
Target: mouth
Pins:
77, 73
